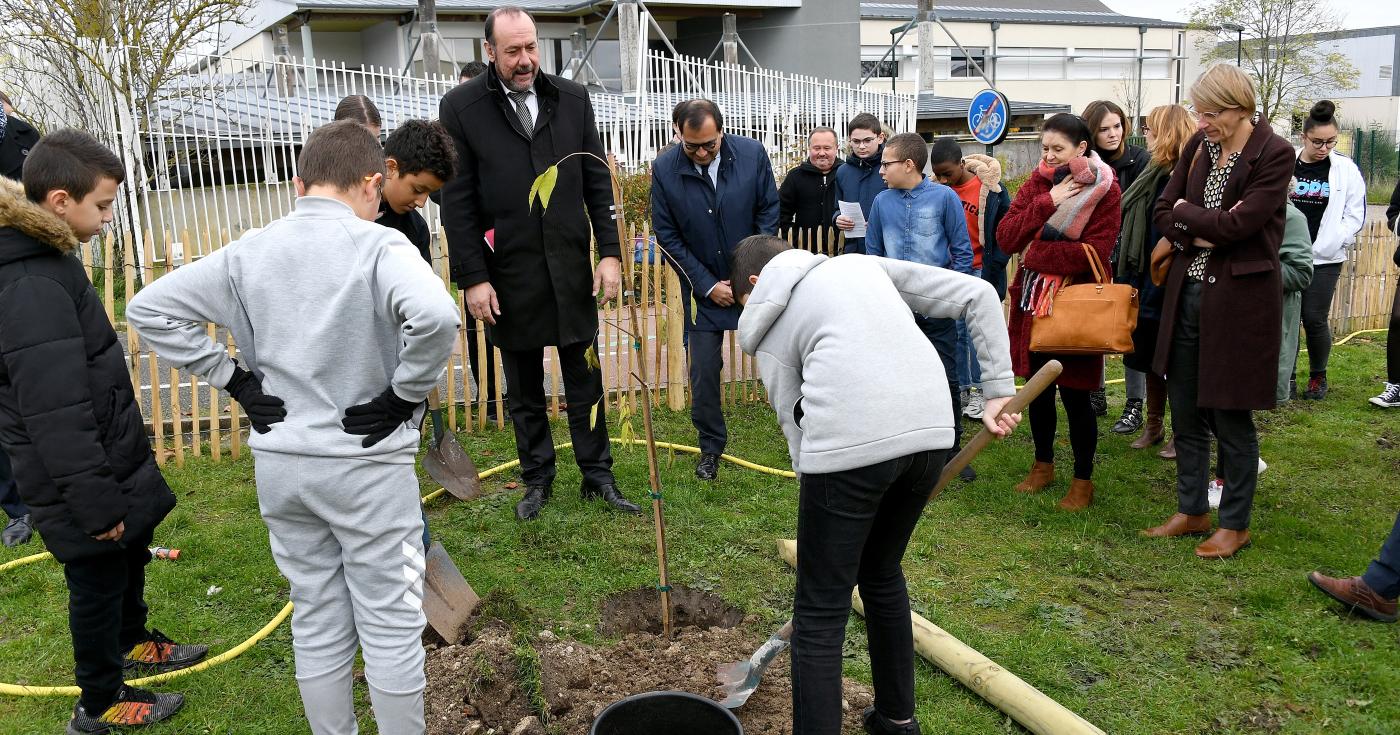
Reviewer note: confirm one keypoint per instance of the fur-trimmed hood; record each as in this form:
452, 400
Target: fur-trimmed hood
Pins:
985, 168
41, 225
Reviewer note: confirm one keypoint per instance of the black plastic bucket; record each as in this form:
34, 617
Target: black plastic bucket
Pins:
673, 713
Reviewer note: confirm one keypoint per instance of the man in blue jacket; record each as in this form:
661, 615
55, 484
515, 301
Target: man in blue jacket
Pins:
708, 193
859, 180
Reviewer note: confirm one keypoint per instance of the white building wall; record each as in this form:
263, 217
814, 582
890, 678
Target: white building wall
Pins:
1063, 64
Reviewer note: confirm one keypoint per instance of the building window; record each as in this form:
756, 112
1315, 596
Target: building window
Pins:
1387, 70
1103, 63
964, 66
1017, 63
875, 68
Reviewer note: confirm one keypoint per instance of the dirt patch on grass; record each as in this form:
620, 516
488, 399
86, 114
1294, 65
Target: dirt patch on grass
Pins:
501, 680
639, 611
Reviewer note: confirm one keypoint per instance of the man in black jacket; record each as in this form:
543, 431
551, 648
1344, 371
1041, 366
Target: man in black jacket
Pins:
534, 288
70, 424
17, 138
807, 198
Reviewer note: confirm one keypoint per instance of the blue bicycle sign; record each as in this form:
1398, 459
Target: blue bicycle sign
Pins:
989, 117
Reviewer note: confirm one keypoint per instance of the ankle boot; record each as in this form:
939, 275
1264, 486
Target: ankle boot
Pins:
1169, 451
1042, 474
1080, 495
1156, 407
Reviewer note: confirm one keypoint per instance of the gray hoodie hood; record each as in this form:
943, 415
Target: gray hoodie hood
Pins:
771, 295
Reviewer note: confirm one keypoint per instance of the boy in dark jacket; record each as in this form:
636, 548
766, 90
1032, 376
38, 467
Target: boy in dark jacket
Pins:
75, 436
977, 181
859, 180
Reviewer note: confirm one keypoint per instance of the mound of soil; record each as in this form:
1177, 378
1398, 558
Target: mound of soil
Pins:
506, 683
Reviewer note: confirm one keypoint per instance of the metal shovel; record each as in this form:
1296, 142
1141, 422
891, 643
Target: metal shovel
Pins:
448, 601
740, 680
446, 462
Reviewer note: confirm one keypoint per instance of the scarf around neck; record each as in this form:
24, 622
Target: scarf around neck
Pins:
1073, 214
1138, 201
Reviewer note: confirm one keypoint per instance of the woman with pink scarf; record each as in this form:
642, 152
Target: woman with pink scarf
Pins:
1070, 199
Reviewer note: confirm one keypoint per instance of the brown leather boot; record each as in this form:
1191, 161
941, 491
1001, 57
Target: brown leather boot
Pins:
1356, 595
1156, 408
1181, 524
1169, 451
1080, 495
1223, 544
1042, 474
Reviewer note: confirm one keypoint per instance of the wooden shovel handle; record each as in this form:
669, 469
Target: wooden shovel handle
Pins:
1042, 379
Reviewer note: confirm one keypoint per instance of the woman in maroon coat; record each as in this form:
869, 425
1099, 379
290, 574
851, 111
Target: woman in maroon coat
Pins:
1070, 199
1223, 210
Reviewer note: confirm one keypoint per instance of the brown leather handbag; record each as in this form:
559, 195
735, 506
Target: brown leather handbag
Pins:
1089, 318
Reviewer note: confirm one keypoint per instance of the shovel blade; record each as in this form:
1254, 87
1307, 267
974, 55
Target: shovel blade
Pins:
450, 466
448, 601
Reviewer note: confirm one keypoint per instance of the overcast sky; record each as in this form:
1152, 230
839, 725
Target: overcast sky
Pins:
1359, 13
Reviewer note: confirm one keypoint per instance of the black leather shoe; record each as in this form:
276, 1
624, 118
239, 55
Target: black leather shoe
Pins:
708, 469
877, 724
535, 497
608, 492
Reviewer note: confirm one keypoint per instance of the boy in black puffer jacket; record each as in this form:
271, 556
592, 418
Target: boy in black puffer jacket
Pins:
74, 433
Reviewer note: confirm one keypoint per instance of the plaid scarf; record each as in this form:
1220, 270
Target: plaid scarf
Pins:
1067, 223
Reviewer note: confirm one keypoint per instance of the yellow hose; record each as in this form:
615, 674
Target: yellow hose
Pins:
20, 690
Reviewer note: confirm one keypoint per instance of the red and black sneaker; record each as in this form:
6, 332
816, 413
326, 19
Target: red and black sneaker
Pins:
132, 707
158, 654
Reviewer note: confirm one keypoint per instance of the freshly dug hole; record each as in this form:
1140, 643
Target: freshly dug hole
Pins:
639, 611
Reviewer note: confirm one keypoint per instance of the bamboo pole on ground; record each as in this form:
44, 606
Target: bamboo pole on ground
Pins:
482, 362
677, 374
554, 383
500, 386
195, 442
1004, 690
177, 421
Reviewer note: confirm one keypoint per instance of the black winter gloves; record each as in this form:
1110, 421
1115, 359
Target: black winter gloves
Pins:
263, 410
379, 417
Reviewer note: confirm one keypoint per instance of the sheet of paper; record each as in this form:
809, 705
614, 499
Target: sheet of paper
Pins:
852, 211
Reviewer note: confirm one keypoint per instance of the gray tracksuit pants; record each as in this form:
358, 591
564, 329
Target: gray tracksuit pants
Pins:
348, 535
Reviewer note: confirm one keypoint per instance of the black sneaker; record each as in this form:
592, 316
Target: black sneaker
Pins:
158, 654
1389, 398
877, 724
708, 469
967, 474
132, 707
1317, 388
1099, 402
1131, 420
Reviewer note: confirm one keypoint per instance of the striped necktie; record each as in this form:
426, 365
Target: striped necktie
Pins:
522, 111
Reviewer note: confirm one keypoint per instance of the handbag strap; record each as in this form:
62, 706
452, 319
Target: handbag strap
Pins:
1095, 263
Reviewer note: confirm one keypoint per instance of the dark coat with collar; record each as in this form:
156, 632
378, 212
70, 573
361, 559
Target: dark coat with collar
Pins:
1242, 294
541, 268
68, 414
700, 227
19, 138
807, 199
859, 180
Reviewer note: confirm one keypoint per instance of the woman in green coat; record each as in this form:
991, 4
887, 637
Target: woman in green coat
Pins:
1295, 261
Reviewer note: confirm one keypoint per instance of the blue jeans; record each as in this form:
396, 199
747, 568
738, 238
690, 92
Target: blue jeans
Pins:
969, 369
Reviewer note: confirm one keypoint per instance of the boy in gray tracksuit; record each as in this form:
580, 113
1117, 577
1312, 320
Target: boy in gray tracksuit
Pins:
868, 452
338, 317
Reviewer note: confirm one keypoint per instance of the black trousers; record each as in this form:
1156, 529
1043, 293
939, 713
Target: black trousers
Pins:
1193, 427
1317, 303
107, 617
485, 384
1383, 575
706, 351
1083, 425
10, 501
1392, 343
583, 388
852, 528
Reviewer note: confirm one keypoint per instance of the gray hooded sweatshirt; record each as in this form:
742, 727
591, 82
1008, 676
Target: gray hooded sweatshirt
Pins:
327, 310
836, 337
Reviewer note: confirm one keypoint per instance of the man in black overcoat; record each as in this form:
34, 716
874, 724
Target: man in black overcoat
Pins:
535, 288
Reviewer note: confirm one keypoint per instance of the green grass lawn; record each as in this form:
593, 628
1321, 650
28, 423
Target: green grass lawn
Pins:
1136, 635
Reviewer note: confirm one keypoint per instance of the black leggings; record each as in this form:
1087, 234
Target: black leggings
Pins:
1392, 343
1083, 426
1317, 304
